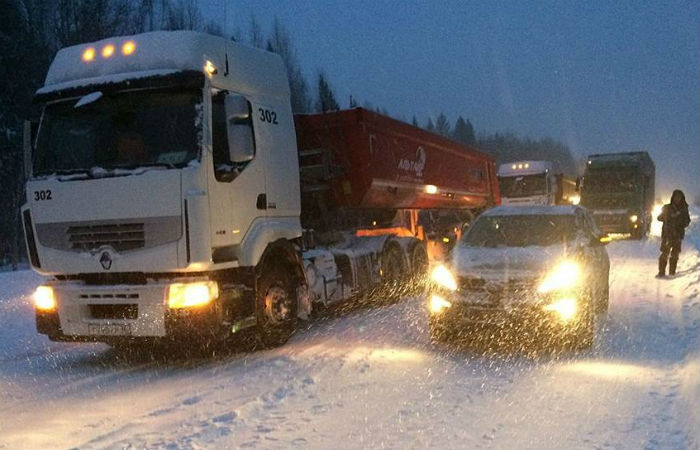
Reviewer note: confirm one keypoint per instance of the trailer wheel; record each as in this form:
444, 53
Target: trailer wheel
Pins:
275, 306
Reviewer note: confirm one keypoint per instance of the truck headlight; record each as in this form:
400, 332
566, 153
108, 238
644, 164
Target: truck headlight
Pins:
186, 295
44, 298
437, 304
564, 276
566, 308
634, 218
442, 277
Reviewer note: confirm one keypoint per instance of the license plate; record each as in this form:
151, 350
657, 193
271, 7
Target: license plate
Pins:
111, 329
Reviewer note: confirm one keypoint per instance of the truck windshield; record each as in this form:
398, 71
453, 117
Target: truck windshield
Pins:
520, 231
118, 131
611, 180
523, 185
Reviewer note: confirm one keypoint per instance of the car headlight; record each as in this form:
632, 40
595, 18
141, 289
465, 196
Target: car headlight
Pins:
186, 295
634, 218
442, 277
564, 276
44, 298
437, 304
566, 308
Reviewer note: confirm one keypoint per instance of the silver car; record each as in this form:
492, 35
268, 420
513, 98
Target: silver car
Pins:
544, 268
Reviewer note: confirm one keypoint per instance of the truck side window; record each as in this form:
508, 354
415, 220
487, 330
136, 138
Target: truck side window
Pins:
219, 139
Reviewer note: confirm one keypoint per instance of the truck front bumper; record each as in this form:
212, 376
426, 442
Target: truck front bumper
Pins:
104, 313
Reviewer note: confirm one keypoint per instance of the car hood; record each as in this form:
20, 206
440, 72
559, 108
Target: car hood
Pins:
503, 263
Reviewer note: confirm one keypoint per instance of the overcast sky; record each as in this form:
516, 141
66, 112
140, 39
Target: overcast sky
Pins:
599, 75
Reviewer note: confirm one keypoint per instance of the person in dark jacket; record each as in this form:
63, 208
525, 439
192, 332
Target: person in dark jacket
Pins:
675, 218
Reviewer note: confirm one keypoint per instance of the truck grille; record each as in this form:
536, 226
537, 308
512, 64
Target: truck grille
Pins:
120, 236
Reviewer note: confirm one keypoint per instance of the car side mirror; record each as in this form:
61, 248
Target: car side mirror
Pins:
241, 142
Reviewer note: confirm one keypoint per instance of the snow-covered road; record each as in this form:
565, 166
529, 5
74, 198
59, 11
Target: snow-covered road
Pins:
372, 379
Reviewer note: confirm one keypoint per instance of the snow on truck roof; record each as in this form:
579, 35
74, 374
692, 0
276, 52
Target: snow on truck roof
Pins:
558, 210
230, 65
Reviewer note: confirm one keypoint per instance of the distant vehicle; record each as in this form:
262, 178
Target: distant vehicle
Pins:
539, 268
535, 183
171, 193
618, 188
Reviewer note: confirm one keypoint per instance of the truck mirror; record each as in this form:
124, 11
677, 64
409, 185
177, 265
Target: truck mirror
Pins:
237, 108
241, 143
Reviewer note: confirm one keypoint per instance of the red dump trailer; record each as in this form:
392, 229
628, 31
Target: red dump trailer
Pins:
360, 160
361, 169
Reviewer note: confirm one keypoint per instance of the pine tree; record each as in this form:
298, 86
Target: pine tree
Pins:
464, 132
442, 125
352, 103
430, 126
414, 121
326, 99
281, 43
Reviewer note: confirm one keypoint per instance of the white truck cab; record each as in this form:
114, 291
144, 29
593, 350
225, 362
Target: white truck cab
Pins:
528, 183
163, 162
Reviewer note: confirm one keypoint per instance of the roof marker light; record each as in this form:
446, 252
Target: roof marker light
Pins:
89, 54
210, 68
515, 166
128, 48
527, 165
107, 51
431, 189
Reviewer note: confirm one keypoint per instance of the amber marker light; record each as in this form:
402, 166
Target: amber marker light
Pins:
107, 51
128, 48
89, 54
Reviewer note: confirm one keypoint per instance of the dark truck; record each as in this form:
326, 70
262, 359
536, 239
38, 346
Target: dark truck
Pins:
618, 188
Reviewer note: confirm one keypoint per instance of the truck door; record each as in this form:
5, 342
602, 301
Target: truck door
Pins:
236, 184
274, 131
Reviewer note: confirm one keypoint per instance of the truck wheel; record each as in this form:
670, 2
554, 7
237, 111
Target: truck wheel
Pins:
393, 266
419, 267
275, 307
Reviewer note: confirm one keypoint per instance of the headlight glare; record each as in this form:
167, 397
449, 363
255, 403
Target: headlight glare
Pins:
44, 298
442, 276
566, 308
187, 295
437, 304
634, 218
564, 276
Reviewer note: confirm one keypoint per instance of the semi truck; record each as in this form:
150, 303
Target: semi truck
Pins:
618, 188
535, 183
172, 194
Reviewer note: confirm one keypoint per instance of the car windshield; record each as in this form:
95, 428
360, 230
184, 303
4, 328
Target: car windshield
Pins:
520, 231
523, 185
124, 130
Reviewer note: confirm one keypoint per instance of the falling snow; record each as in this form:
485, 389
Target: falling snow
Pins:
370, 378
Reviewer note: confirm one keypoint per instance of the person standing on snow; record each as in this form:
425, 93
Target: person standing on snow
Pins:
675, 218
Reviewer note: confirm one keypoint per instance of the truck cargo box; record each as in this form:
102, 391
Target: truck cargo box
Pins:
358, 159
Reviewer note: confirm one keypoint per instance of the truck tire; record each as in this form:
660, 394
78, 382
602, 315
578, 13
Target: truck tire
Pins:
275, 306
603, 300
419, 267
